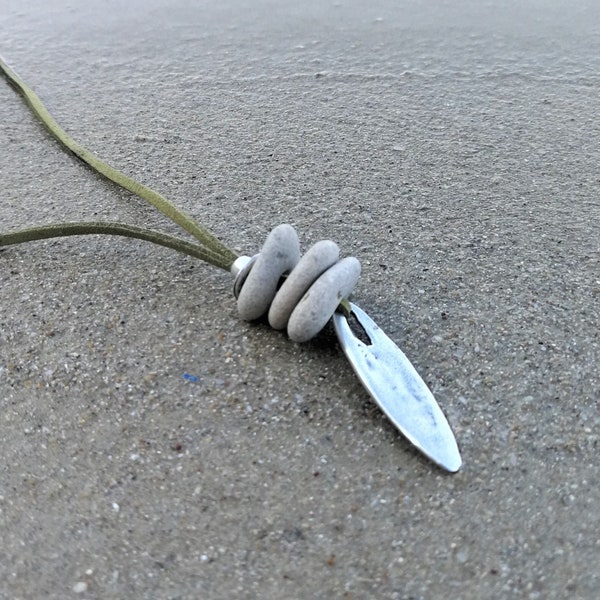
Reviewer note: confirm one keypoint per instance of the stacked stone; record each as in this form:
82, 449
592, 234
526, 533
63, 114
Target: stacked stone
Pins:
316, 283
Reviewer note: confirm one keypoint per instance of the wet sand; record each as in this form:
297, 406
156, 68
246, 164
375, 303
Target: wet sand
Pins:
155, 446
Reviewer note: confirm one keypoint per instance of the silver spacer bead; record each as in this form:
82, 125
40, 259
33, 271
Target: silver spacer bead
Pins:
240, 269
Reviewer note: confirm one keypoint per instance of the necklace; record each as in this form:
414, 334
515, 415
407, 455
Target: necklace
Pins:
298, 293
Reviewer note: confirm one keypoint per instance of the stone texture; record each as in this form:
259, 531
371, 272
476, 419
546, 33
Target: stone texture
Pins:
319, 303
280, 253
317, 259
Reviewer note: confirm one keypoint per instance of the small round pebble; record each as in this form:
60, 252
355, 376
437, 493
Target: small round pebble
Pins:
318, 304
316, 261
80, 587
280, 253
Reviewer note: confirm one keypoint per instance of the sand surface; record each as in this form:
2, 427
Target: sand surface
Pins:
154, 446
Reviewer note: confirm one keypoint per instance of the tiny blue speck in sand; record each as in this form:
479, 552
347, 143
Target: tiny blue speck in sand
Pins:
190, 377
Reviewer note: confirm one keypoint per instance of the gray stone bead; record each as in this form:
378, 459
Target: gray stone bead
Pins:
319, 303
315, 262
280, 253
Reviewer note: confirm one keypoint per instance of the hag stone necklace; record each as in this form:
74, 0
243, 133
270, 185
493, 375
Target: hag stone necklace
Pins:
300, 294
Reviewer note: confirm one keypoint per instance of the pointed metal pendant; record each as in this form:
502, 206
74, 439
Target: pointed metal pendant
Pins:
398, 389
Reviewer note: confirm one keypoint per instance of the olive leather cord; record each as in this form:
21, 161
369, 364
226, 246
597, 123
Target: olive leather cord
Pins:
43, 232
210, 248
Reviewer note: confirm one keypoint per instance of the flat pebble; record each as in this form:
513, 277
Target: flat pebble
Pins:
314, 263
318, 304
280, 253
